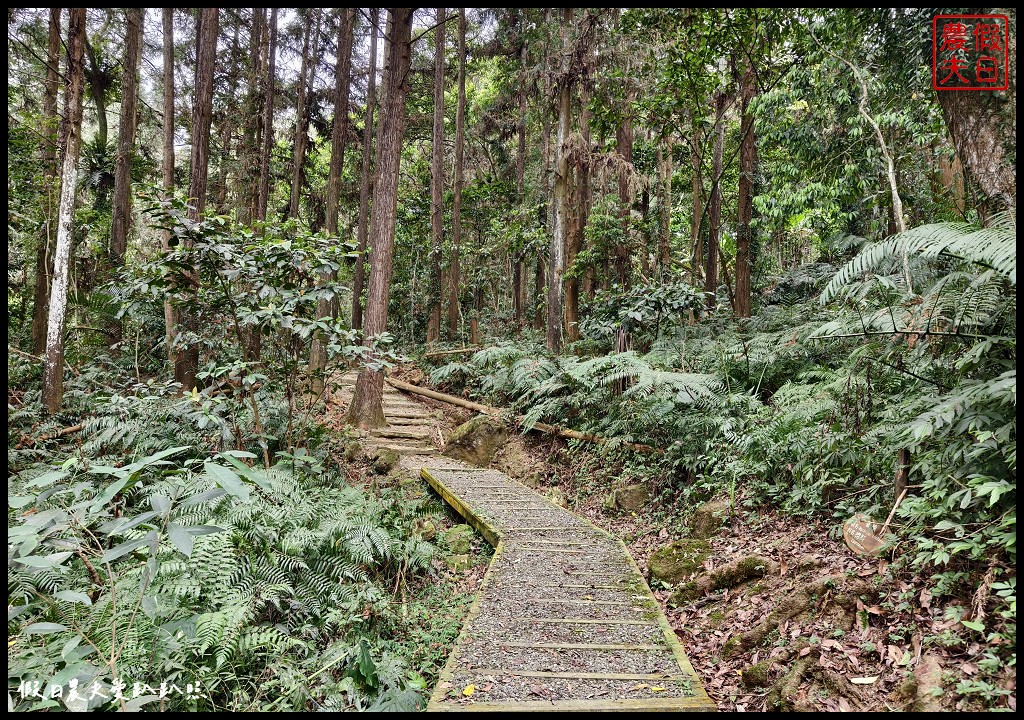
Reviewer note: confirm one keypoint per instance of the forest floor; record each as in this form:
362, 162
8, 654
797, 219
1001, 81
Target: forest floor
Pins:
823, 629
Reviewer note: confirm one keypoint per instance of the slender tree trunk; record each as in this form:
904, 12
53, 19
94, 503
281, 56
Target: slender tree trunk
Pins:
460, 143
745, 211
518, 265
697, 200
268, 120
252, 137
437, 185
99, 82
665, 208
227, 124
365, 179
366, 410
624, 142
715, 209
122, 216
301, 114
170, 312
44, 254
559, 235
339, 134
53, 369
186, 362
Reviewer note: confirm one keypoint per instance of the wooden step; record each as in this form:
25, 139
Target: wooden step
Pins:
407, 449
399, 433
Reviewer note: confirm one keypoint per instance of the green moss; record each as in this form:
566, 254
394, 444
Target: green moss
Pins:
678, 560
756, 675
458, 539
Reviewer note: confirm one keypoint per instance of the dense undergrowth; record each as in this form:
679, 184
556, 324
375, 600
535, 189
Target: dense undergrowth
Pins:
810, 405
213, 550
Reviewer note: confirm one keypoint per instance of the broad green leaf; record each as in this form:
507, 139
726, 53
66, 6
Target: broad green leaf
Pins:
46, 479
70, 645
255, 476
980, 627
203, 497
181, 538
122, 524
123, 549
43, 628
73, 597
228, 480
154, 458
160, 503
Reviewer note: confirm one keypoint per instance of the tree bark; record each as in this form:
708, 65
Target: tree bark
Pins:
122, 216
981, 125
365, 410
518, 265
252, 138
339, 134
745, 210
665, 207
227, 123
559, 234
268, 119
170, 312
437, 184
715, 209
460, 143
580, 216
365, 179
44, 254
186, 361
697, 200
99, 81
301, 114
624, 147
53, 370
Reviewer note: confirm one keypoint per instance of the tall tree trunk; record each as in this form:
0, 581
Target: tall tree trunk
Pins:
624, 143
122, 216
580, 215
559, 234
44, 254
745, 211
339, 131
697, 201
518, 265
227, 124
186, 362
715, 209
365, 178
665, 207
437, 184
53, 369
268, 119
99, 83
366, 410
301, 114
339, 134
460, 143
981, 125
252, 138
170, 312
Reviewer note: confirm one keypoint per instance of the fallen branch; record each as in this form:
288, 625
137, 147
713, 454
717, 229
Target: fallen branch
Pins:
459, 351
497, 412
52, 436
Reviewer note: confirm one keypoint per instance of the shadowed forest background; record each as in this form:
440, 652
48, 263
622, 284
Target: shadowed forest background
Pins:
747, 254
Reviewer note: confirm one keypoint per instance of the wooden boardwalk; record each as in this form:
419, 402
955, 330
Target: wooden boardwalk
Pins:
564, 620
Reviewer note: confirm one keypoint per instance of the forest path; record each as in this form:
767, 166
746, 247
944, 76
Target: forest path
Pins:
564, 620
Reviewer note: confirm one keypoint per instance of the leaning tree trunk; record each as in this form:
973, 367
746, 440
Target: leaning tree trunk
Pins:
339, 133
44, 255
186, 361
437, 185
745, 210
366, 410
122, 217
359, 277
715, 209
53, 370
460, 143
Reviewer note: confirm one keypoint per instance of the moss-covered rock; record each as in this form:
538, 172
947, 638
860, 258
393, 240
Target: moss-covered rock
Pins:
458, 539
384, 461
458, 563
632, 497
476, 441
352, 450
727, 576
556, 496
427, 529
757, 675
708, 518
676, 561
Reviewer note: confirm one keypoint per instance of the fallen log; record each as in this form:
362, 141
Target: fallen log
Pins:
497, 412
459, 351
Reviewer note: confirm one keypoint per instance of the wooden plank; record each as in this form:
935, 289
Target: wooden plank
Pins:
589, 621
669, 704
547, 601
577, 675
578, 646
